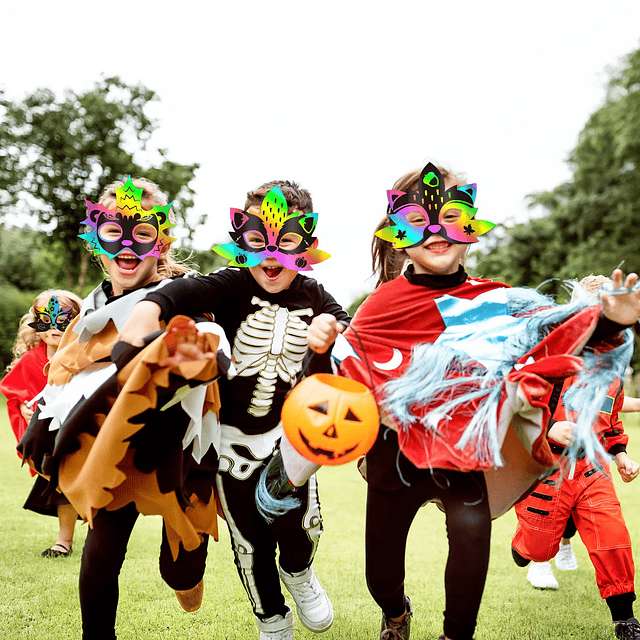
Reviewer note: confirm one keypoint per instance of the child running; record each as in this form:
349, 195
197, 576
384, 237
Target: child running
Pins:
38, 338
114, 468
458, 365
585, 491
264, 306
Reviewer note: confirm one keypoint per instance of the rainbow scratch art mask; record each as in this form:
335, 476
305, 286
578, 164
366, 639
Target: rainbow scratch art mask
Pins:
418, 214
260, 236
144, 233
51, 316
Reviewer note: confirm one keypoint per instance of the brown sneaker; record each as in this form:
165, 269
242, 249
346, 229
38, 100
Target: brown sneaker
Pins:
191, 599
390, 630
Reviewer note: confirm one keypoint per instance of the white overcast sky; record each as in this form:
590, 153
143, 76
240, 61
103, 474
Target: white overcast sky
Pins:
341, 96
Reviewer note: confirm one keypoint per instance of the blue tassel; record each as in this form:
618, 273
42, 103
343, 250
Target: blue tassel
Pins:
585, 398
272, 489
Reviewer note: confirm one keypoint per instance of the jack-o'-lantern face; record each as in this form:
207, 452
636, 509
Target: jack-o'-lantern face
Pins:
330, 420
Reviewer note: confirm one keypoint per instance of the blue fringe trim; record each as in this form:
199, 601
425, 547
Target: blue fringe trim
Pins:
585, 398
271, 490
450, 378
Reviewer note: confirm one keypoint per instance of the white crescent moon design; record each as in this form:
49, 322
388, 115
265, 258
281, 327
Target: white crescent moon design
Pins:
394, 363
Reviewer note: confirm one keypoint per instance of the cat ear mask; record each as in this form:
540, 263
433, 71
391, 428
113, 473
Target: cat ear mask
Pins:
432, 209
144, 233
51, 316
260, 236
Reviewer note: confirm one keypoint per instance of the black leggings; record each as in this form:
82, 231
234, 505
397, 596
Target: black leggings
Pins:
104, 552
389, 517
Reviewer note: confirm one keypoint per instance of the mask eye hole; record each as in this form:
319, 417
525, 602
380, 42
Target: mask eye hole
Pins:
290, 241
352, 417
110, 232
254, 239
450, 215
144, 233
416, 217
321, 407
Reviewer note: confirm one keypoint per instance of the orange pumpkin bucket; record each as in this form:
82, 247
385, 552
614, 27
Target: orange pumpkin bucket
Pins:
330, 420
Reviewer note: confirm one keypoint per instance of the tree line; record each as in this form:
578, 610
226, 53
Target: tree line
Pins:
56, 151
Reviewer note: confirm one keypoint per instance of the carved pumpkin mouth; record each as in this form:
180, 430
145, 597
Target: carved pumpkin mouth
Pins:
319, 451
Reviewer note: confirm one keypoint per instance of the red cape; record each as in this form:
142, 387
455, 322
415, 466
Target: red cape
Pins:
25, 381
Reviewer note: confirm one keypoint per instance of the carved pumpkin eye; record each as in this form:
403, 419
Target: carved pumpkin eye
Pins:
322, 407
330, 420
352, 416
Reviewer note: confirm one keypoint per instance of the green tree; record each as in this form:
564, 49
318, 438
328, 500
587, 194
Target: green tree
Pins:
590, 222
55, 152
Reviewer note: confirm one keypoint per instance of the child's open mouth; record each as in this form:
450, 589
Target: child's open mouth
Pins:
439, 246
272, 273
127, 263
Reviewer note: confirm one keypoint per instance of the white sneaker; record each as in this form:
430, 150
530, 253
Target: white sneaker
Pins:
566, 559
312, 602
540, 575
277, 627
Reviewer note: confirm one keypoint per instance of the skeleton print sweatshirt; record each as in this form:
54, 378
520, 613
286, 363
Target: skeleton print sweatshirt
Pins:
267, 332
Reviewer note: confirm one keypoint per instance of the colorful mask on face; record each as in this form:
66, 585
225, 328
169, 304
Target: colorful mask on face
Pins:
51, 316
260, 236
418, 214
144, 233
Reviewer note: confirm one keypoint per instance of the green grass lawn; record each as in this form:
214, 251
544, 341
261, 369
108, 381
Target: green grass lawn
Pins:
40, 598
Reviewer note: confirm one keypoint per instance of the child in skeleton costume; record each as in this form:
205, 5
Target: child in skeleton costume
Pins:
264, 306
38, 338
123, 430
460, 367
585, 490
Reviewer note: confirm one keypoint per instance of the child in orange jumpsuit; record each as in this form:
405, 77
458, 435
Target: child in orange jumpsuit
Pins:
586, 492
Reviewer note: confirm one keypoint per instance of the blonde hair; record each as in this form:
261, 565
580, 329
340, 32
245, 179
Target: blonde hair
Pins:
152, 196
28, 338
386, 261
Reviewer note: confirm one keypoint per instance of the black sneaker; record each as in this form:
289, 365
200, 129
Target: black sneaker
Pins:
390, 630
628, 630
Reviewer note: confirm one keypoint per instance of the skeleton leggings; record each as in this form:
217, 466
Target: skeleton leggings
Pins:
254, 541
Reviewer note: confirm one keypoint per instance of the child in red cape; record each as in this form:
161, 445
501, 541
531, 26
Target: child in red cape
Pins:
461, 369
38, 338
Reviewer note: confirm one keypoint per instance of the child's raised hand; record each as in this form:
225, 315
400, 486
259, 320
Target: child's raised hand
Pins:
627, 468
184, 343
561, 432
323, 331
622, 303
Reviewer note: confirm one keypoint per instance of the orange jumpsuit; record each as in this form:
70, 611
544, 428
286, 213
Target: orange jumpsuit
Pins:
588, 494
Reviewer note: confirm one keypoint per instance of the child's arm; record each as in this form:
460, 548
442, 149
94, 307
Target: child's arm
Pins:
627, 468
630, 404
144, 320
323, 331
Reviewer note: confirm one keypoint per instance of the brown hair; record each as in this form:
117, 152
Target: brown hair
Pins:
387, 262
28, 338
297, 198
151, 196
